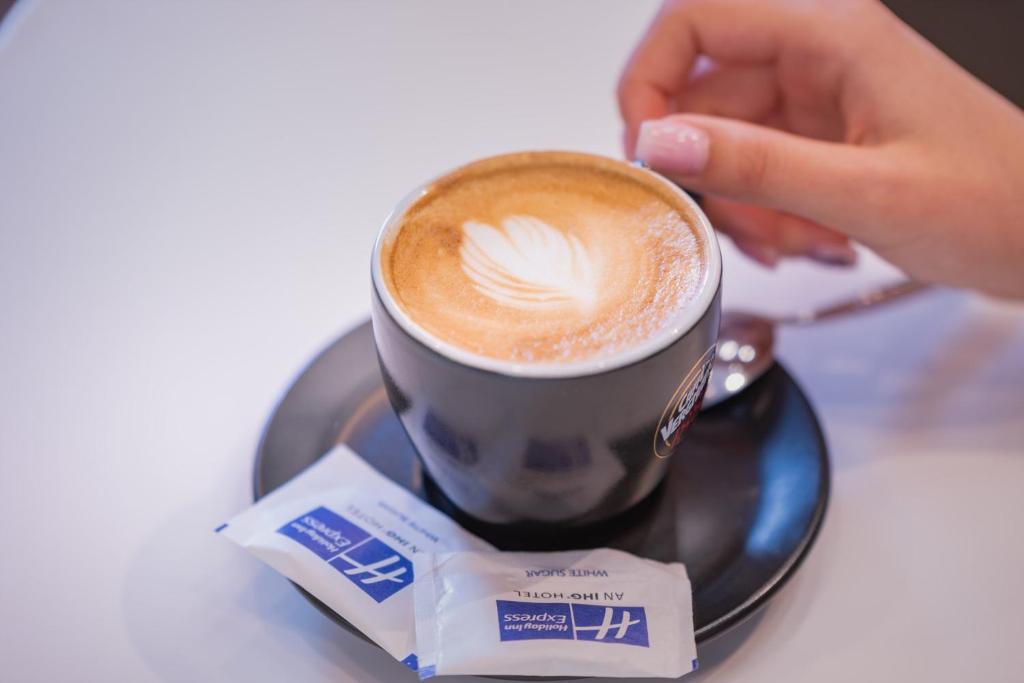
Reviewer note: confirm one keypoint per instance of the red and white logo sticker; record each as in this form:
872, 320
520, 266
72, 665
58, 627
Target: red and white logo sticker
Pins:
683, 407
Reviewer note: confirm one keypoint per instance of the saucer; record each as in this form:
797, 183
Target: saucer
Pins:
740, 506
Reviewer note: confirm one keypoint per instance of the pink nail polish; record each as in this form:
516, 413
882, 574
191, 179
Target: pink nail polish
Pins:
765, 255
671, 146
834, 254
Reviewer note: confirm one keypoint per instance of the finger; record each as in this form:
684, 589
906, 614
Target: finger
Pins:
822, 181
748, 93
645, 102
761, 253
777, 233
655, 72
729, 31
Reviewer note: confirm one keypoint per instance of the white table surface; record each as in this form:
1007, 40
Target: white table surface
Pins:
188, 194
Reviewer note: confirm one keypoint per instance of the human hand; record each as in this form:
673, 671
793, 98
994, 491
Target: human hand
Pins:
807, 123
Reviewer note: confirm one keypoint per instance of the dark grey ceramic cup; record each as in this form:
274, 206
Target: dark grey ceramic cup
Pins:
552, 445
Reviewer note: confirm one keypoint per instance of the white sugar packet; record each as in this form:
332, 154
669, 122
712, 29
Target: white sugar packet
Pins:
578, 613
347, 534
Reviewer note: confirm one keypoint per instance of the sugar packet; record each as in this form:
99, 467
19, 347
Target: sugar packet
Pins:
578, 613
347, 534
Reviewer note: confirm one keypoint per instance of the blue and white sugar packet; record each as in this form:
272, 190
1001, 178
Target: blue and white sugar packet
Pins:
578, 613
347, 534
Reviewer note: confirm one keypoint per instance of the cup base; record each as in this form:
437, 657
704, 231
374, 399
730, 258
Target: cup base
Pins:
543, 536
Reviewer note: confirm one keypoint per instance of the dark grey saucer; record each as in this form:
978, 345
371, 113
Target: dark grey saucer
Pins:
740, 507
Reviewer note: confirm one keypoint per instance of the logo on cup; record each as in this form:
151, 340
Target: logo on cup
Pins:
373, 566
572, 621
683, 407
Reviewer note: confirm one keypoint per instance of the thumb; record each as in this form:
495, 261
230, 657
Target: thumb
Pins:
755, 164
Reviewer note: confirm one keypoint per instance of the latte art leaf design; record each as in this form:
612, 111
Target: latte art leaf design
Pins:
528, 264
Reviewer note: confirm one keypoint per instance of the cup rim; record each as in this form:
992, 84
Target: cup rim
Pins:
693, 313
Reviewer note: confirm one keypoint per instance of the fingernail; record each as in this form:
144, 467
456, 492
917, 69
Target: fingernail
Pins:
765, 255
834, 254
671, 146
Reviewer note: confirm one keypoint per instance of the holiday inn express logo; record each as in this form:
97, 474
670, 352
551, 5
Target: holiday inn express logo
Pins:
373, 566
572, 621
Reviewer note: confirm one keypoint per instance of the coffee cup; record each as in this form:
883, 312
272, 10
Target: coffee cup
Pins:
545, 324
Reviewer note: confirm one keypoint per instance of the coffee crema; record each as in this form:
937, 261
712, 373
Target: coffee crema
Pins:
545, 257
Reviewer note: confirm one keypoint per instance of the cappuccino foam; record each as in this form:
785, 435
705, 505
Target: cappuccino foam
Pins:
545, 257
